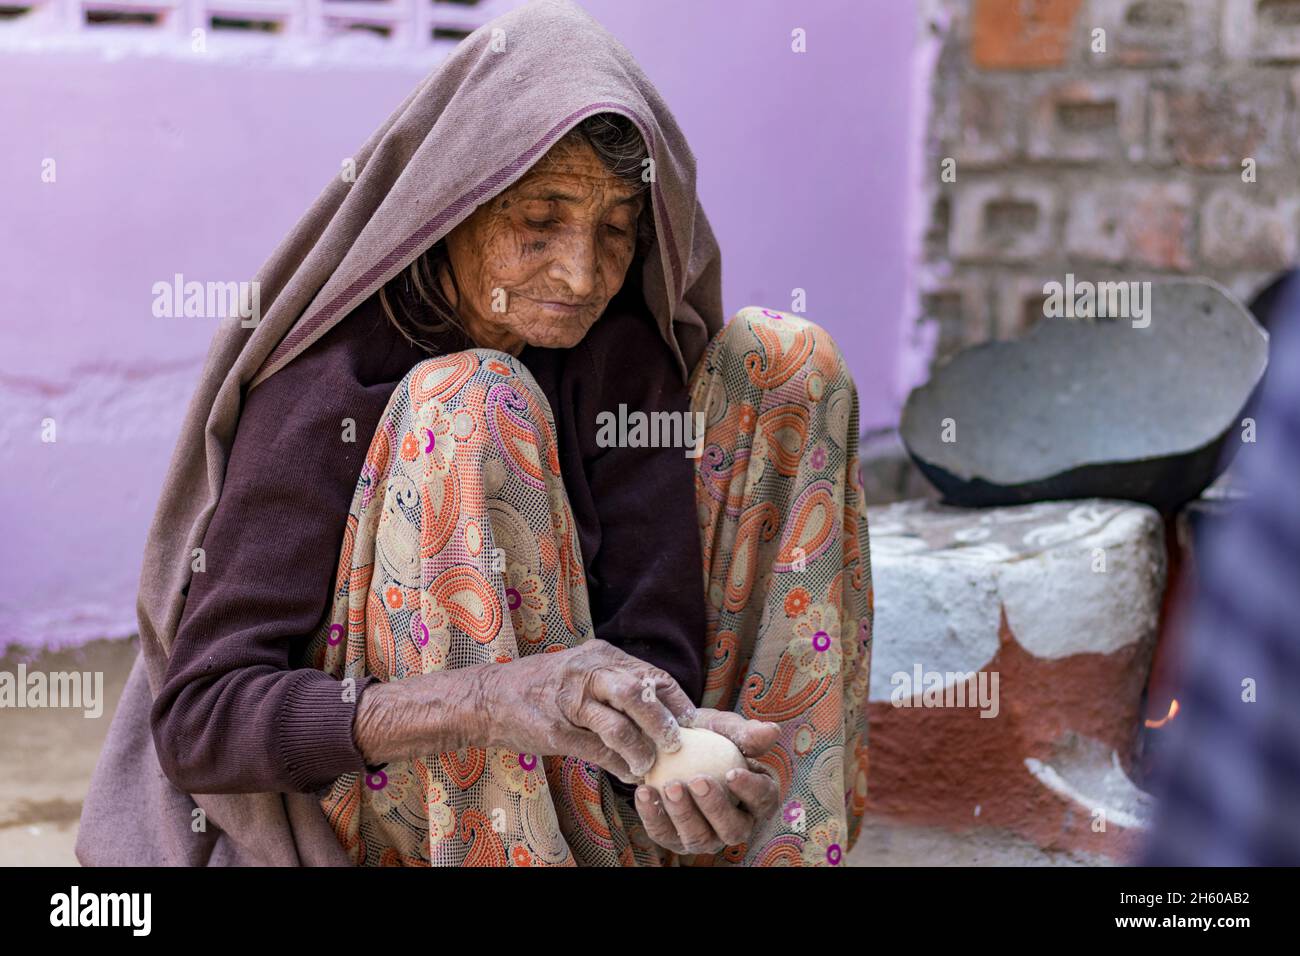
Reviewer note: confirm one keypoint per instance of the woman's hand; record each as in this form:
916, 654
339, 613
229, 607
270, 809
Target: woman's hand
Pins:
697, 816
594, 702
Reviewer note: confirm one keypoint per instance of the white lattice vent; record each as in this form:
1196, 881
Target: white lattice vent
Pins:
404, 23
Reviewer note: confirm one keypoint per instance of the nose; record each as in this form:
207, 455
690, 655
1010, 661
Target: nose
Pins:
574, 265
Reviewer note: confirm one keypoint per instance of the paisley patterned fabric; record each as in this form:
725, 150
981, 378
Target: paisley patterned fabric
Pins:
461, 549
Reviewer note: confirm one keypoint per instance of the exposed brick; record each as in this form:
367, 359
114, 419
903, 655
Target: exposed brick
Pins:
1022, 34
1261, 30
1152, 32
1019, 304
938, 231
959, 305
1089, 120
985, 126
1111, 165
1003, 221
1216, 122
1239, 230
1146, 224
1291, 140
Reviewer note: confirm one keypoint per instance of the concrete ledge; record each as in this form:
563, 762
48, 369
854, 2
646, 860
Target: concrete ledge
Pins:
1010, 652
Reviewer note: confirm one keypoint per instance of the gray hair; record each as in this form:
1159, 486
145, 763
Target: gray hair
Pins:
423, 311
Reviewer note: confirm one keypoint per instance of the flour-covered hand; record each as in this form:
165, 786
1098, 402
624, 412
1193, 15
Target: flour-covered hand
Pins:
698, 815
593, 701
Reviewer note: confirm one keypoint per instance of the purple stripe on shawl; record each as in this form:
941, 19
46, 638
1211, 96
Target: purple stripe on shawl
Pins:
305, 329
673, 260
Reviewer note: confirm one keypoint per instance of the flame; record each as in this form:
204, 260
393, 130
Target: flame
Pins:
1173, 712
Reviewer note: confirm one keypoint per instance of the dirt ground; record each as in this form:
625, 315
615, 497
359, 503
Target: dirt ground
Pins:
46, 759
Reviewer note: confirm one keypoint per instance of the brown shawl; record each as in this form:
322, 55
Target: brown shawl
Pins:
470, 129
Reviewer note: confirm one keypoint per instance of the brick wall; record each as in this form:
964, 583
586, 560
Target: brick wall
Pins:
1104, 138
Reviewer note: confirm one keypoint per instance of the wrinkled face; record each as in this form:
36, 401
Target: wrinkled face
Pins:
538, 263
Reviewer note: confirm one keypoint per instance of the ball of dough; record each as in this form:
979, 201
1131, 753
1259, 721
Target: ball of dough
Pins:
702, 752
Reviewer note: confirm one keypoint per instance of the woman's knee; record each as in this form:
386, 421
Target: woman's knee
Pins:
503, 363
778, 347
467, 378
478, 400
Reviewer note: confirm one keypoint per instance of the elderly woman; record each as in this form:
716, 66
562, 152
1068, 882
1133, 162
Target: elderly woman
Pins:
525, 607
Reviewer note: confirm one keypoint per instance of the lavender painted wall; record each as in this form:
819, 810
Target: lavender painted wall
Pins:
804, 158
168, 163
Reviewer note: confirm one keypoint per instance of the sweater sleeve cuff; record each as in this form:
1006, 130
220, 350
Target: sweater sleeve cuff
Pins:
315, 743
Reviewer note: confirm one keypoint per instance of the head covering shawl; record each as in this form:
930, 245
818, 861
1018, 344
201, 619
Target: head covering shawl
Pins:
472, 127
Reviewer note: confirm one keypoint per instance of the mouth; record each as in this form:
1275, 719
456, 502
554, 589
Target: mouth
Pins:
557, 307
560, 308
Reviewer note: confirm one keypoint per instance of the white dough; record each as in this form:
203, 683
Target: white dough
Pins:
702, 752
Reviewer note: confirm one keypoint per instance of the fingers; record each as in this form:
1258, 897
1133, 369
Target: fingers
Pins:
673, 697
729, 822
588, 746
693, 829
757, 792
618, 733
658, 825
636, 696
665, 688
700, 818
753, 737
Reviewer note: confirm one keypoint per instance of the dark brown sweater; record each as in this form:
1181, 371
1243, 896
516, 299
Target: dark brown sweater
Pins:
235, 714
